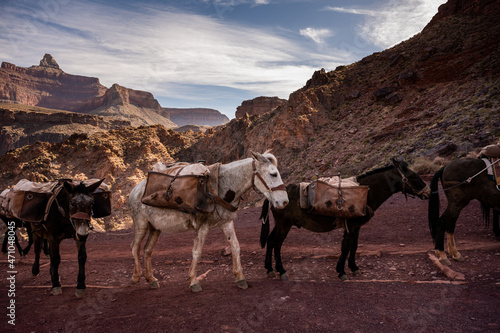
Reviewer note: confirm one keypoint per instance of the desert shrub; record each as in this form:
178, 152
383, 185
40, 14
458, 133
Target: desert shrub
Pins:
424, 166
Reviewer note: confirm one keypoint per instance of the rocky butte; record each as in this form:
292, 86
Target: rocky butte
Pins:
259, 105
195, 116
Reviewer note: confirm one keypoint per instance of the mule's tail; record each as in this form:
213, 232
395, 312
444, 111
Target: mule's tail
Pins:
433, 213
264, 231
486, 214
496, 217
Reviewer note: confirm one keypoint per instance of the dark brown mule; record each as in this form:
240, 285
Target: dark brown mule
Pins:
69, 217
463, 180
383, 183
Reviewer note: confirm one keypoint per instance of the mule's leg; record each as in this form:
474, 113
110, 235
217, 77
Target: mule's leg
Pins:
268, 263
228, 230
55, 260
280, 233
351, 263
82, 259
446, 224
154, 234
140, 232
30, 239
452, 248
36, 264
4, 244
344, 252
46, 250
18, 246
199, 240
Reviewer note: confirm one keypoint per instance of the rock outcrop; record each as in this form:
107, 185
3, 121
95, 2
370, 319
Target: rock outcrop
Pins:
195, 116
47, 86
259, 105
22, 125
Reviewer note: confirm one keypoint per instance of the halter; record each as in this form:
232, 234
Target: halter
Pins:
231, 208
281, 187
77, 215
404, 179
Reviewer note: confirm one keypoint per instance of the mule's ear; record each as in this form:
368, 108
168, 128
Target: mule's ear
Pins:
259, 157
91, 188
400, 164
69, 186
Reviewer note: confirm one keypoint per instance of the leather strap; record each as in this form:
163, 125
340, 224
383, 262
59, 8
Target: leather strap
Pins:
281, 187
81, 216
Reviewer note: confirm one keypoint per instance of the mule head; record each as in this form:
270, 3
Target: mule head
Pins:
412, 184
266, 179
80, 206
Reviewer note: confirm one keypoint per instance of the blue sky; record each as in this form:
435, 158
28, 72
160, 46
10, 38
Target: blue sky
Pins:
205, 53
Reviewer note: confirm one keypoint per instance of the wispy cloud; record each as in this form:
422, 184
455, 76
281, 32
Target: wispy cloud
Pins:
317, 35
393, 21
158, 48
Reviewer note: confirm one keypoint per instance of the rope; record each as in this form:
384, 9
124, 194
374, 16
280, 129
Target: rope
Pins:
468, 180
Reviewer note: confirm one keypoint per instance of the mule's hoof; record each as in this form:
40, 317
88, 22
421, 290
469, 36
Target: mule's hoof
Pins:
460, 258
56, 291
343, 277
242, 284
284, 277
134, 279
196, 288
356, 272
80, 293
271, 275
445, 261
154, 284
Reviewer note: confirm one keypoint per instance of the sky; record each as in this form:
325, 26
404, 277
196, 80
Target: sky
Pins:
205, 53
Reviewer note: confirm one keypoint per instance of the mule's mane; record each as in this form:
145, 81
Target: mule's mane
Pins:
375, 171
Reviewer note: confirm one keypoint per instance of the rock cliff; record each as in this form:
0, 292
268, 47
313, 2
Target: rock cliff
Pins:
49, 86
259, 105
195, 116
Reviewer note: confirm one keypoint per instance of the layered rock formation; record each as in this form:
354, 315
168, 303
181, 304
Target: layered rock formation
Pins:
259, 105
49, 86
195, 116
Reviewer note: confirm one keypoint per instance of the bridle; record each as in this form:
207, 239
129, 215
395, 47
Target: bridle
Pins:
77, 215
281, 187
255, 174
406, 184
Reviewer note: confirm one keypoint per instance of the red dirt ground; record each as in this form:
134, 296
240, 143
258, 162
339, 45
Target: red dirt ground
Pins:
400, 289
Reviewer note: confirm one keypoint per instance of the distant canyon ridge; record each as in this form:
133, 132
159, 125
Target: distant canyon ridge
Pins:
43, 103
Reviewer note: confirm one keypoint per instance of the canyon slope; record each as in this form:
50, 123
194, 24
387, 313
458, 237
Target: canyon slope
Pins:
433, 97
